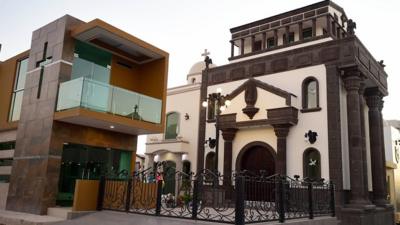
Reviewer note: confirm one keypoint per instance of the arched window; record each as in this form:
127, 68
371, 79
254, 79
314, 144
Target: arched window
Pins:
312, 164
172, 127
310, 96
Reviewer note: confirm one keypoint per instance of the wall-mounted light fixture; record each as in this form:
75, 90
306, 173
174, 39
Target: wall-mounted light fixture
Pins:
211, 142
186, 116
311, 136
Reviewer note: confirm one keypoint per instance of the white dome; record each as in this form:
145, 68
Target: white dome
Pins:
198, 67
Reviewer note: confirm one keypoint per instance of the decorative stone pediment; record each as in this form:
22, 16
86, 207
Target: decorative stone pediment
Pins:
253, 97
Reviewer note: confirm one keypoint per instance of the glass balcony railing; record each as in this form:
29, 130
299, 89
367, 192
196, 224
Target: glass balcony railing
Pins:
94, 95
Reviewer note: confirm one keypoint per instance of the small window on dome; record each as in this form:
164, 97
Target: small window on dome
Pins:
193, 80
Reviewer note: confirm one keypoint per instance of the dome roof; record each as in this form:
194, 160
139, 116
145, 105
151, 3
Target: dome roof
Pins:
199, 67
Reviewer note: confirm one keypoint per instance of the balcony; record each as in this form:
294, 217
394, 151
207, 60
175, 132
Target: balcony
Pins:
112, 106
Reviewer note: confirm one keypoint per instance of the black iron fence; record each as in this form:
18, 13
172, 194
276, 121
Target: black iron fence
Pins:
236, 199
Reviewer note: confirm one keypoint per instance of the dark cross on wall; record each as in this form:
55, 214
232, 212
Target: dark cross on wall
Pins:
44, 61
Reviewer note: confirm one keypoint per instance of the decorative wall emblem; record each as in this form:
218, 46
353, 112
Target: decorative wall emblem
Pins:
250, 97
311, 136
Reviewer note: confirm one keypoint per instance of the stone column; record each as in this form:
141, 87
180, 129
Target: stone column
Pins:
314, 27
281, 132
328, 25
275, 38
300, 31
377, 158
352, 82
242, 46
253, 39
363, 139
383, 151
264, 40
228, 135
287, 35
232, 49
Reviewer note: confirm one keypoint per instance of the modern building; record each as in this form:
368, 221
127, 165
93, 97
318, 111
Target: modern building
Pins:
392, 151
305, 98
72, 108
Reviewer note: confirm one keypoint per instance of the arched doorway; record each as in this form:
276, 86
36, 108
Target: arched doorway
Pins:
210, 161
257, 158
169, 177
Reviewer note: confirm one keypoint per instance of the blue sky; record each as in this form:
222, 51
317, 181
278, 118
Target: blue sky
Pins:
185, 28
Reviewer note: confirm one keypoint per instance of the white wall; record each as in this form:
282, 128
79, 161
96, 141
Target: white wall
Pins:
289, 81
344, 137
184, 100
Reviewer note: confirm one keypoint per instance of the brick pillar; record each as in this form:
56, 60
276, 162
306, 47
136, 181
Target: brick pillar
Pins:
374, 101
281, 132
228, 135
352, 82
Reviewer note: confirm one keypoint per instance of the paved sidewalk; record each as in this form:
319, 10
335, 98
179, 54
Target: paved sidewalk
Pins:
121, 218
19, 218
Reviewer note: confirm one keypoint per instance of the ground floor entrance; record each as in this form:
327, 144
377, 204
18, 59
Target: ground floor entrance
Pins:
89, 163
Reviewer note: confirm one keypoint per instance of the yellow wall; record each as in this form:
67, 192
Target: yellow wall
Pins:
86, 194
123, 77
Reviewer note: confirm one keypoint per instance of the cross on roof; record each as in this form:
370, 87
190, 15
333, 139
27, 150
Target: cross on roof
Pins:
205, 53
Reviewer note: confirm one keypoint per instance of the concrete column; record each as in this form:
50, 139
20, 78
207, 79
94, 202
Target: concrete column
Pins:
281, 132
314, 27
275, 38
328, 25
242, 46
377, 148
300, 31
253, 38
232, 49
264, 40
352, 82
228, 135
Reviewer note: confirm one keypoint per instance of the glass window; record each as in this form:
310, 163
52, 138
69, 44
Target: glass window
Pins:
7, 145
310, 93
91, 62
172, 127
270, 42
312, 164
18, 91
307, 33
212, 110
291, 37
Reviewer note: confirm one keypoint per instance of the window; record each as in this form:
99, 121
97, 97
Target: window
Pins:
18, 92
172, 128
291, 37
210, 161
7, 145
257, 46
311, 164
270, 42
212, 110
310, 93
307, 33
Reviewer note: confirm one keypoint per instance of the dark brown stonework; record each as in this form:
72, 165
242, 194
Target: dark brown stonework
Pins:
202, 121
322, 10
35, 172
363, 140
309, 14
352, 80
281, 132
377, 147
250, 97
257, 69
228, 135
238, 73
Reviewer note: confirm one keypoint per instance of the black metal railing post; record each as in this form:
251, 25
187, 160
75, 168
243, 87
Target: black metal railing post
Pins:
281, 199
158, 202
332, 199
310, 201
239, 205
128, 195
195, 200
100, 195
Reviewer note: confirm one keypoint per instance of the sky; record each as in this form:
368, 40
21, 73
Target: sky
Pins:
184, 28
